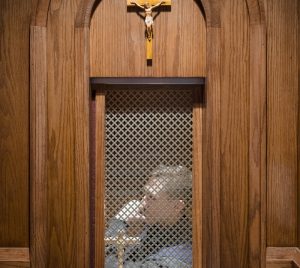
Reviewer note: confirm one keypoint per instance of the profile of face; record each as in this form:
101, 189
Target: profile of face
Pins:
158, 206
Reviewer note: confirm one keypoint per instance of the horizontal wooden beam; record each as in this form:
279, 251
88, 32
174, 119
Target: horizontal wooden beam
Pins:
148, 81
14, 255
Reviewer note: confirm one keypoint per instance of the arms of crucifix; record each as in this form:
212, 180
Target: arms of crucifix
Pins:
150, 8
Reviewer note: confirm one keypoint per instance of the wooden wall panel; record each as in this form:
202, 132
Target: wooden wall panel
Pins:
234, 133
118, 48
14, 122
282, 121
64, 237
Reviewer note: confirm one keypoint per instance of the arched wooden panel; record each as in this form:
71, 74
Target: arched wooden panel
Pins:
119, 48
40, 14
84, 13
256, 11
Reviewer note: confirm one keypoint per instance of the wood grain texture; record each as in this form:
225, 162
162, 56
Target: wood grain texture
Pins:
234, 134
211, 10
38, 147
211, 152
118, 49
14, 123
14, 254
212, 13
40, 13
14, 264
100, 179
298, 150
256, 11
280, 264
84, 13
14, 257
282, 121
257, 147
197, 179
65, 233
291, 254
82, 169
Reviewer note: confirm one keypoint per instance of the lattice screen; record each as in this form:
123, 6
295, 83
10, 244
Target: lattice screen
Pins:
148, 177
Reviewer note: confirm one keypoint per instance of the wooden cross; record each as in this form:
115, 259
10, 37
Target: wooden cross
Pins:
121, 241
148, 6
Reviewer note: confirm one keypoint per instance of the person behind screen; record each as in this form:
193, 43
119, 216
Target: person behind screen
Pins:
166, 239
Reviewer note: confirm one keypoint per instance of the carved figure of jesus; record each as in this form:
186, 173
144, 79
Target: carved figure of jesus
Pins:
148, 8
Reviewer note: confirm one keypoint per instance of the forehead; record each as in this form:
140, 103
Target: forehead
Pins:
155, 186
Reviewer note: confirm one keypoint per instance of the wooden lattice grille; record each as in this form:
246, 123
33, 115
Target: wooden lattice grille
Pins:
148, 151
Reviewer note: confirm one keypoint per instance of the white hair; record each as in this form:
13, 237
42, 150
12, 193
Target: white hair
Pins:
171, 179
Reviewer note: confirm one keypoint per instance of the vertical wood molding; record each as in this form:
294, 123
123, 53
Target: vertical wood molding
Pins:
298, 138
211, 161
100, 179
82, 97
197, 180
282, 119
257, 147
38, 147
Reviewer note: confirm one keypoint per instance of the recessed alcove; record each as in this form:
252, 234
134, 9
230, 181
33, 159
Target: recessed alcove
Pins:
146, 120
146, 133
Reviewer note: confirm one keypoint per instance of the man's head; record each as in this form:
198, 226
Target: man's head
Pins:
166, 194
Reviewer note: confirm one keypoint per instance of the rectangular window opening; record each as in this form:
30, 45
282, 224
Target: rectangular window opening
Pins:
143, 179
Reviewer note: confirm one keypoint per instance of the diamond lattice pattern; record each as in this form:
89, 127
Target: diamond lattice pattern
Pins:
148, 177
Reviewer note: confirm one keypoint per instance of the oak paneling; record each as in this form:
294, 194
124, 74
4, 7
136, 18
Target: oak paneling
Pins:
211, 152
118, 47
14, 122
82, 142
282, 122
65, 235
234, 133
38, 147
257, 147
197, 179
100, 179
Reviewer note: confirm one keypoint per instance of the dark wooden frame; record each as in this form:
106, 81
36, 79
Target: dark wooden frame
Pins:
147, 81
98, 162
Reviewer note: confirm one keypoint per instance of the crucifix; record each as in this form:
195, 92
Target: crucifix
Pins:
148, 6
121, 241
